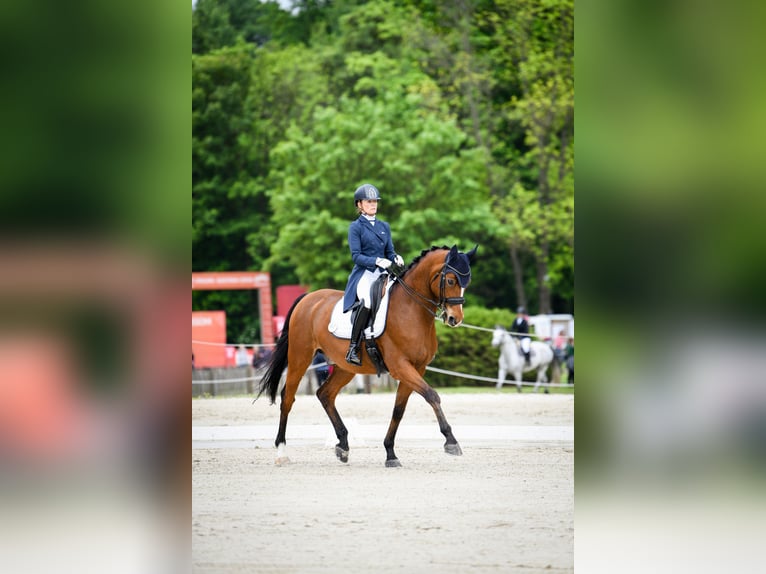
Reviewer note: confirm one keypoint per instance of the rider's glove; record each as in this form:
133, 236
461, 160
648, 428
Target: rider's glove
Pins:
399, 261
382, 263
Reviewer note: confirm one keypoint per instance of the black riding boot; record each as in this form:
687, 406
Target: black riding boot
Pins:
527, 359
360, 322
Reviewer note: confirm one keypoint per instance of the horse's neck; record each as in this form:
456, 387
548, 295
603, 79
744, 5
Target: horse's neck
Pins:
414, 303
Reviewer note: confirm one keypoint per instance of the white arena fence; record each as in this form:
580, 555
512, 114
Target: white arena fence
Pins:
258, 376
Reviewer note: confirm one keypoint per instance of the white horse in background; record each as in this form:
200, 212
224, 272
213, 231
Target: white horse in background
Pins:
512, 359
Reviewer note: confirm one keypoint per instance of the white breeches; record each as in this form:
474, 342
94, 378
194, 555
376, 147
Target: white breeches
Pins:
363, 287
525, 342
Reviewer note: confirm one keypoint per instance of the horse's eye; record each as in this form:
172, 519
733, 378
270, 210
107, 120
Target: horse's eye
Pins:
451, 282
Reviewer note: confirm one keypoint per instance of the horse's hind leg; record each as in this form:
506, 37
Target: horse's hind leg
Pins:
500, 378
326, 395
294, 376
542, 378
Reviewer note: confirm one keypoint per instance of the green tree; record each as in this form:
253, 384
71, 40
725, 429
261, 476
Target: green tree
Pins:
534, 49
287, 86
211, 28
388, 125
432, 191
227, 203
222, 175
222, 23
459, 110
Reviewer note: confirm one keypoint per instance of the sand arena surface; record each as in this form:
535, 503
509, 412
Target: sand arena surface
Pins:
506, 505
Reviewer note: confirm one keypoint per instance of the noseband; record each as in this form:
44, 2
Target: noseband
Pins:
448, 300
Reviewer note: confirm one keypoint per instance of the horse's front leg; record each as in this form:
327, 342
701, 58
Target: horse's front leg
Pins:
326, 395
403, 393
500, 377
450, 446
418, 383
541, 378
519, 376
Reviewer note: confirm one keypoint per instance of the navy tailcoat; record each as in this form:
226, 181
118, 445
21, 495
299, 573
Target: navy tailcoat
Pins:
366, 242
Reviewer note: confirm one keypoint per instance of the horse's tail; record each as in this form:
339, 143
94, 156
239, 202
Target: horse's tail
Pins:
278, 361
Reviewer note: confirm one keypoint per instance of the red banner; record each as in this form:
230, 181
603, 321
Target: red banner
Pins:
208, 338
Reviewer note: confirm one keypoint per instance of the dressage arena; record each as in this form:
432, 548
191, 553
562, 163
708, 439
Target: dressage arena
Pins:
506, 505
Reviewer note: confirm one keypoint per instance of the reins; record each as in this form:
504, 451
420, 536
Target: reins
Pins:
414, 294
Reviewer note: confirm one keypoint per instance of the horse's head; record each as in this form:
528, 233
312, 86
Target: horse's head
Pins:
453, 278
439, 280
498, 335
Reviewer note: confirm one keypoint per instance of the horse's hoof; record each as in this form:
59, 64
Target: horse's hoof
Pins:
282, 460
341, 454
393, 463
453, 449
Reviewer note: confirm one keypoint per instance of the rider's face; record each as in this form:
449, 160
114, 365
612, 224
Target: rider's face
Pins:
369, 206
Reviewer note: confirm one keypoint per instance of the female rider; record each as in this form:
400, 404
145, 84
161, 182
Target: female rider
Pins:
372, 250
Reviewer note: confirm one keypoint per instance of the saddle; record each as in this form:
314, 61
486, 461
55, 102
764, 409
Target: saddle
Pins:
340, 322
531, 353
377, 291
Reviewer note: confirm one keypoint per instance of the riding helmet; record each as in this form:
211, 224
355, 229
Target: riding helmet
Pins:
521, 310
366, 191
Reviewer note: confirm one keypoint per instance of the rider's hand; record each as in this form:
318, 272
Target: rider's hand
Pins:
383, 263
399, 261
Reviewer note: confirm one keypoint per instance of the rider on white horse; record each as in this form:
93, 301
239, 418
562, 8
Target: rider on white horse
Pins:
521, 325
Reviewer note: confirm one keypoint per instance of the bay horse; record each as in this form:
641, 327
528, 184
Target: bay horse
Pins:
431, 286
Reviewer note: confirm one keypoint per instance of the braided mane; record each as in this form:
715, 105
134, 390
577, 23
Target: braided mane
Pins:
423, 254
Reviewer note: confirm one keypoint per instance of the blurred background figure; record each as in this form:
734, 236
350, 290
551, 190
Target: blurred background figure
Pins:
521, 325
242, 357
569, 358
322, 368
559, 346
256, 357
263, 355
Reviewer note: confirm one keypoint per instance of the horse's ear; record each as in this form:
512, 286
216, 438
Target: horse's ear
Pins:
453, 252
472, 252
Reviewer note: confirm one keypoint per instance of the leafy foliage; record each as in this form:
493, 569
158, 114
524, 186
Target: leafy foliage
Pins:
460, 113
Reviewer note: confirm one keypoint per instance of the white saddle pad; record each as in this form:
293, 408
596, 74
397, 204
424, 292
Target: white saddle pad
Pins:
340, 322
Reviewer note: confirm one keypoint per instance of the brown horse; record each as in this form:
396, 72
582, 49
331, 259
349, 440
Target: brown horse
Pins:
432, 284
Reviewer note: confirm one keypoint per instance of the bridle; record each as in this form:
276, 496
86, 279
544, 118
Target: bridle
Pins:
443, 301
